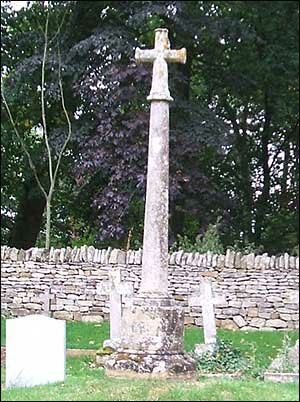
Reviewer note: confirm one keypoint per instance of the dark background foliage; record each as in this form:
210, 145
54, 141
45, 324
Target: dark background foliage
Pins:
234, 124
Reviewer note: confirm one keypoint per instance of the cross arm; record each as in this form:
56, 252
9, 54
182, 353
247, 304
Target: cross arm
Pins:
175, 56
145, 56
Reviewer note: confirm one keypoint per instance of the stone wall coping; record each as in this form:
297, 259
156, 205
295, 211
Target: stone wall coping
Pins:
90, 254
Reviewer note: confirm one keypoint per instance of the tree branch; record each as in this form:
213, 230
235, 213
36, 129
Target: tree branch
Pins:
23, 145
43, 102
66, 114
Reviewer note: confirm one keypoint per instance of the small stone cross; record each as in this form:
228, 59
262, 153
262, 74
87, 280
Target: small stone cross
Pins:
115, 289
205, 299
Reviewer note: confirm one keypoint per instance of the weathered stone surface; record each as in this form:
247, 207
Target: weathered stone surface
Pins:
121, 257
63, 315
92, 318
214, 260
221, 261
228, 324
14, 254
257, 322
239, 321
62, 255
90, 253
292, 296
152, 327
195, 259
229, 259
276, 323
138, 365
280, 302
238, 263
138, 257
287, 362
114, 256
252, 312
116, 290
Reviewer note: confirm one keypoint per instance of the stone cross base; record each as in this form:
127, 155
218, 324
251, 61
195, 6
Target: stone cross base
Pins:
150, 366
151, 340
152, 326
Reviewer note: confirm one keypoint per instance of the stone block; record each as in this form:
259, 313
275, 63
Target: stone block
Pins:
239, 321
113, 259
92, 318
257, 322
229, 258
221, 261
252, 312
90, 253
285, 317
188, 320
195, 259
63, 315
228, 324
276, 323
230, 311
250, 260
266, 315
178, 257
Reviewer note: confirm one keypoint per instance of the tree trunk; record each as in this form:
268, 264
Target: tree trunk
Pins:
262, 202
29, 217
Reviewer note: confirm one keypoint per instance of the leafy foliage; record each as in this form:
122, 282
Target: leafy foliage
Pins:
284, 362
210, 241
224, 359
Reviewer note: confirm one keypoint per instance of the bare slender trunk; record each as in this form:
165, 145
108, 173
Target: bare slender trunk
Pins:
52, 171
48, 223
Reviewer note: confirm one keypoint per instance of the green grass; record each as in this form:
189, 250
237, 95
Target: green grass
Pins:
262, 346
85, 383
3, 331
86, 335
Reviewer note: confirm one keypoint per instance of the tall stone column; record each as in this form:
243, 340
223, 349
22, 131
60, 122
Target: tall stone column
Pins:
152, 326
155, 244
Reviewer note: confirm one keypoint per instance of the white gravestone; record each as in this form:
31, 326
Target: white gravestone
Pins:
35, 351
116, 290
206, 299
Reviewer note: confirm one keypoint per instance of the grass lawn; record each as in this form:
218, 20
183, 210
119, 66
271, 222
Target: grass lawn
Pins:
85, 382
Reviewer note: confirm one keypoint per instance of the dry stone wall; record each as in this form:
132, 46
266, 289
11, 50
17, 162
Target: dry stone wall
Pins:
260, 291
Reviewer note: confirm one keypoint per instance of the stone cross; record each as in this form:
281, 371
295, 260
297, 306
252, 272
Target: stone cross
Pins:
152, 326
154, 280
205, 298
115, 289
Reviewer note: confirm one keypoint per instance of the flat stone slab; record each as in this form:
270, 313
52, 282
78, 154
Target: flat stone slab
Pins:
220, 375
134, 365
281, 377
81, 352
